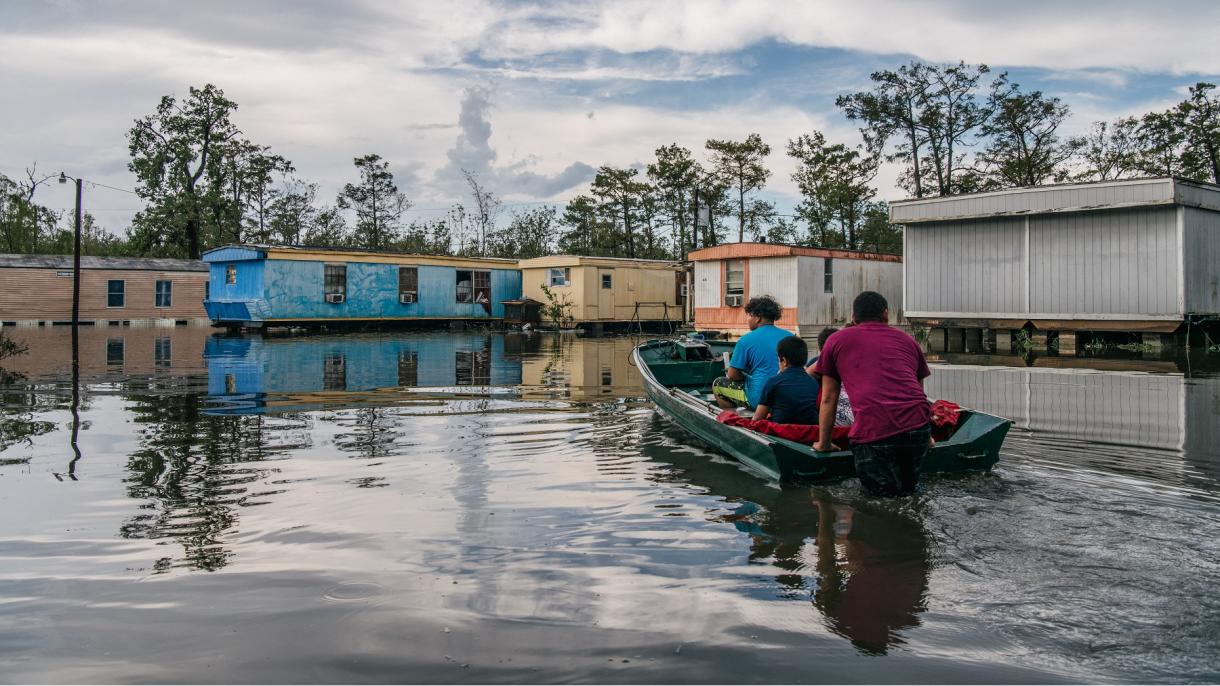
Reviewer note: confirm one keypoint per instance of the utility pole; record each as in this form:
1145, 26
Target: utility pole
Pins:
63, 178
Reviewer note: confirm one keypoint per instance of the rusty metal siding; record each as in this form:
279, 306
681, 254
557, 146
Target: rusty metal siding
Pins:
39, 294
707, 284
969, 266
773, 276
1104, 263
849, 278
1202, 261
1044, 199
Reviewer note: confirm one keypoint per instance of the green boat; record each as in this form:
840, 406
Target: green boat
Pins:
678, 376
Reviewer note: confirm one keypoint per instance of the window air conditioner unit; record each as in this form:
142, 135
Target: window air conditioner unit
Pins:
732, 301
406, 298
683, 290
334, 298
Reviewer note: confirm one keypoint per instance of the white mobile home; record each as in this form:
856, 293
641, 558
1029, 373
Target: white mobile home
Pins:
1130, 255
815, 286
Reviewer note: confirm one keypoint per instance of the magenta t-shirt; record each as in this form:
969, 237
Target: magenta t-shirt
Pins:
880, 367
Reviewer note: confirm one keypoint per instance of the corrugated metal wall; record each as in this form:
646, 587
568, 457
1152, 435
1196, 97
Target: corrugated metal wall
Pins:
849, 278
773, 276
1114, 262
1202, 261
967, 266
707, 284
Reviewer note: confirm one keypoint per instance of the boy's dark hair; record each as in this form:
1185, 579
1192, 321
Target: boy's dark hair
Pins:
764, 306
824, 335
794, 350
869, 306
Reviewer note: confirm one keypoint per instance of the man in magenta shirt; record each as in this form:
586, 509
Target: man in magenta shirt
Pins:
882, 369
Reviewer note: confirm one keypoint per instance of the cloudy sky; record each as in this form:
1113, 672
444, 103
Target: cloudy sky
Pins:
534, 96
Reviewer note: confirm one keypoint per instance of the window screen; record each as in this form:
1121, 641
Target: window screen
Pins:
828, 280
230, 273
336, 279
408, 284
734, 283
116, 293
482, 287
165, 294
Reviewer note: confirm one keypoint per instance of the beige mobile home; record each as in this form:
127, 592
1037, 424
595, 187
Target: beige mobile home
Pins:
607, 290
37, 289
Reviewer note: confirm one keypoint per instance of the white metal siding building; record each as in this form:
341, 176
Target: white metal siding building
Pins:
1140, 254
815, 286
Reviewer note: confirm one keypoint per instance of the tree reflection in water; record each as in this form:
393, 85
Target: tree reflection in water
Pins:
190, 470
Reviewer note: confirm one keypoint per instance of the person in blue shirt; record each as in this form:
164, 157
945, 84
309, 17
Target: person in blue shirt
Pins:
754, 359
790, 397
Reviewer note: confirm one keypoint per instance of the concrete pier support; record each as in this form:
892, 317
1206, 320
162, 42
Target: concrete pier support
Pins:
1067, 343
937, 340
1158, 342
973, 340
1003, 341
957, 340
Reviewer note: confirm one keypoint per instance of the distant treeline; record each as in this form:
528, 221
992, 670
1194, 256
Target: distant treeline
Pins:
951, 129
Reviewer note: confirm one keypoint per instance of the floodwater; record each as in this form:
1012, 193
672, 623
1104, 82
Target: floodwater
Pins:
482, 507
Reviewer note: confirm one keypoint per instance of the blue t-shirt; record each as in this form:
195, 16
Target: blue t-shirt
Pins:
792, 397
755, 355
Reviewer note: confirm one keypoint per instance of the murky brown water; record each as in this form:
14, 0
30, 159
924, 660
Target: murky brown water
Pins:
497, 508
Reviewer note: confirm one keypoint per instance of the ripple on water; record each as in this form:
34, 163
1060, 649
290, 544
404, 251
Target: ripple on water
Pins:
353, 590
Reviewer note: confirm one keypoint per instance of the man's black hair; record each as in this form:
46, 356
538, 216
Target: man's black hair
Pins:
764, 306
794, 350
824, 335
869, 306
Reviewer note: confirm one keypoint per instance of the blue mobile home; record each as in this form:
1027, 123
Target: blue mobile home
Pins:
254, 286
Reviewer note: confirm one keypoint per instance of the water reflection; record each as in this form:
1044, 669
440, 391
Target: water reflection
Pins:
863, 565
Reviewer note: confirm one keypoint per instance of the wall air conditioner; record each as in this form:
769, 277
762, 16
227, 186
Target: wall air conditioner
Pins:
334, 298
732, 301
406, 298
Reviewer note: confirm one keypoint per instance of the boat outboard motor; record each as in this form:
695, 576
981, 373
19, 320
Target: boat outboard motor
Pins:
692, 350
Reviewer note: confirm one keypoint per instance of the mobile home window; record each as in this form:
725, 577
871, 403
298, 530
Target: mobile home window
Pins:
607, 281
465, 286
161, 352
230, 273
408, 368
408, 284
334, 372
482, 287
116, 293
473, 286
828, 279
734, 282
165, 293
561, 276
336, 279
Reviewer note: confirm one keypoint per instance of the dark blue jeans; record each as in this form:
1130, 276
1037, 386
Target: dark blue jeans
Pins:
890, 466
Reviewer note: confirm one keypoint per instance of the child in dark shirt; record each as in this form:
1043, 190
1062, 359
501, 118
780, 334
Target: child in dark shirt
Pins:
790, 397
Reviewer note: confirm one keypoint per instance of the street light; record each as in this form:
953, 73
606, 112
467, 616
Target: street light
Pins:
63, 178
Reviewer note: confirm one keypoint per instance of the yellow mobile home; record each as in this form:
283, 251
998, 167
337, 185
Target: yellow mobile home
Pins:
607, 290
